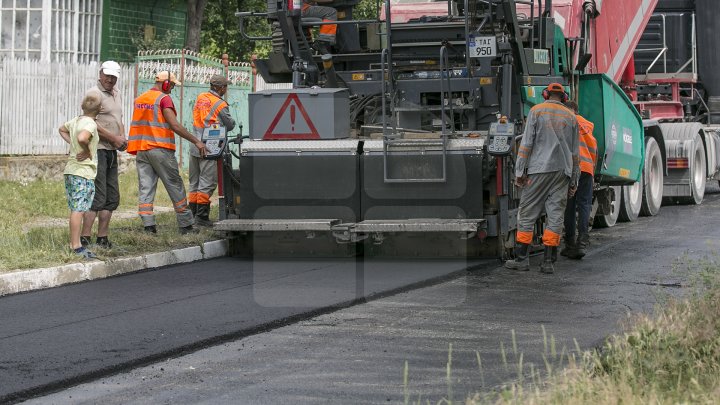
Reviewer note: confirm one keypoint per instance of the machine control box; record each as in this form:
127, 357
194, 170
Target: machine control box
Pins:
214, 138
500, 138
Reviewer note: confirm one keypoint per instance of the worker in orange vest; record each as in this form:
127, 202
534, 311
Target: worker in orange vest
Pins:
209, 109
152, 139
579, 206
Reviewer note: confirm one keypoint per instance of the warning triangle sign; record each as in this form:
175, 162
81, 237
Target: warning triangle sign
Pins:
291, 122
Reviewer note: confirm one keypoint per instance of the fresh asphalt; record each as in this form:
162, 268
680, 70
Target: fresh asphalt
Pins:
285, 343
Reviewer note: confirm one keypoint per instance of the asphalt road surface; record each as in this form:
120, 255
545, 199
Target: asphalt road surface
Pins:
286, 341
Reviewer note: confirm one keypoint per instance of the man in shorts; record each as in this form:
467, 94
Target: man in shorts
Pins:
112, 139
80, 171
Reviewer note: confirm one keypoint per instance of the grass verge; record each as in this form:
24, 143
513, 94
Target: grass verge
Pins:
670, 357
34, 226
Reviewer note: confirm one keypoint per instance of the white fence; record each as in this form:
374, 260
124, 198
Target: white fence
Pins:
37, 97
261, 85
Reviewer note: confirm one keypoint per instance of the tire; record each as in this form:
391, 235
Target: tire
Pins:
631, 201
698, 173
609, 220
653, 174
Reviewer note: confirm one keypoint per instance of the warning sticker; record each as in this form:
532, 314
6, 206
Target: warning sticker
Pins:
291, 122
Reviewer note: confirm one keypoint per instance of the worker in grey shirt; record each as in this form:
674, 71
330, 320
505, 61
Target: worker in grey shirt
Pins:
547, 170
210, 108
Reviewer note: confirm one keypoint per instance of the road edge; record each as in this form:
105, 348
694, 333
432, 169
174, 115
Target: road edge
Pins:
36, 279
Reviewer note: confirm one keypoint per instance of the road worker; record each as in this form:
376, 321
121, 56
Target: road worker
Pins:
579, 205
326, 38
152, 139
547, 170
209, 109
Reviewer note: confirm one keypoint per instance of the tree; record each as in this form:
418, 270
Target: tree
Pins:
221, 30
196, 9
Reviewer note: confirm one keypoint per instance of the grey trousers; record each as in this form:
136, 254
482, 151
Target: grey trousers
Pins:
546, 191
160, 163
203, 177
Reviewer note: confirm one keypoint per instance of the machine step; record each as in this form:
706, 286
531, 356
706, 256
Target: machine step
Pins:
276, 225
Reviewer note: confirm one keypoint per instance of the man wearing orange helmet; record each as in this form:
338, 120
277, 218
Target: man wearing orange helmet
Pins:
547, 165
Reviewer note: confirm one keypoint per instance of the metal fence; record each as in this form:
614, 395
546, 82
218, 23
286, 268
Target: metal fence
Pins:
37, 97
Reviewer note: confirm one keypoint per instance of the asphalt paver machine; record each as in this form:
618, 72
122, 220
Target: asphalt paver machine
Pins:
401, 142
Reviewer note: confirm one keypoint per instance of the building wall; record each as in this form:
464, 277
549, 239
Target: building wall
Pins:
123, 19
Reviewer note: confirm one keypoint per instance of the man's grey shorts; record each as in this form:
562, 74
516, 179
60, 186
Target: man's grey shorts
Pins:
107, 190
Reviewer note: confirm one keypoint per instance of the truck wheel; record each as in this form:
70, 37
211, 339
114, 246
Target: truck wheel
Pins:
652, 179
698, 173
631, 201
609, 220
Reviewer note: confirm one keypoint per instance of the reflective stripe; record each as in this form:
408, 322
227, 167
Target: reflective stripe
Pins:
584, 159
150, 124
151, 139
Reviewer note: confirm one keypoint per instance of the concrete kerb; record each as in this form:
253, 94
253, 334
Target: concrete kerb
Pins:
28, 280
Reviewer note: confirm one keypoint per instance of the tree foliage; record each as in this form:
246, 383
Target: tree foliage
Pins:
221, 30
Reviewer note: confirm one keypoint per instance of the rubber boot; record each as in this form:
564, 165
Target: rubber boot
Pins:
521, 260
547, 265
193, 208
202, 218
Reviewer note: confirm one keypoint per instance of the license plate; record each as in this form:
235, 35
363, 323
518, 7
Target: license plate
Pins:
482, 47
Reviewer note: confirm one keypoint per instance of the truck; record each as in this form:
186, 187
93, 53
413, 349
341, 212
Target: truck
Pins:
402, 141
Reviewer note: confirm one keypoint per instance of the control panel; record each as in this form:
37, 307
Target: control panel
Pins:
214, 137
500, 138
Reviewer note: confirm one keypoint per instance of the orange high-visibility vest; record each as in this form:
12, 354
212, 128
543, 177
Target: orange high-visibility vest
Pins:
588, 146
206, 111
148, 129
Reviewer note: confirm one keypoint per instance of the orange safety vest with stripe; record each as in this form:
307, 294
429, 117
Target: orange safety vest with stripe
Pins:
588, 146
149, 129
207, 110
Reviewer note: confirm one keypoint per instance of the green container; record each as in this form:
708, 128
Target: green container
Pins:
618, 130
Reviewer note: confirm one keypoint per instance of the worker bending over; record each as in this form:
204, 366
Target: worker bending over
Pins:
579, 205
547, 164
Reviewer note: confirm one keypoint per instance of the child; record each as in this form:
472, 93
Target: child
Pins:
81, 168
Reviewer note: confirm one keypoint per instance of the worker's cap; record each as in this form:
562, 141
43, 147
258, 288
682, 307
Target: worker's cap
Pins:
556, 87
162, 76
219, 80
110, 68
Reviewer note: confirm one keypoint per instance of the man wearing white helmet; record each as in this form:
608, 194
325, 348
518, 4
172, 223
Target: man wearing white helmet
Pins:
112, 138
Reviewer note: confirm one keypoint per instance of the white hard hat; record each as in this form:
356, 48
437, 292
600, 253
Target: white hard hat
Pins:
110, 68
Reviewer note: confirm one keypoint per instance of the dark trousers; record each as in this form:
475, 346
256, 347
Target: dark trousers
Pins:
578, 208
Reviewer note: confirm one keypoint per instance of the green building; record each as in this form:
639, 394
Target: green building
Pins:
131, 25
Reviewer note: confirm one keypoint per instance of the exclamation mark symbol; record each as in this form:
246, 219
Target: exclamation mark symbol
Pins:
292, 117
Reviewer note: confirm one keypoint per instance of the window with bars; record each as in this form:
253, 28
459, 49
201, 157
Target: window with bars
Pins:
51, 30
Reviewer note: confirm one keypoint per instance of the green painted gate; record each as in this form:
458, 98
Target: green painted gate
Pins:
195, 71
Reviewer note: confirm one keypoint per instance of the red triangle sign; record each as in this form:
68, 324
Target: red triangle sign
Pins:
286, 124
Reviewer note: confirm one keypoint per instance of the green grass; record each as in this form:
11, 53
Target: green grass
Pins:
34, 230
670, 357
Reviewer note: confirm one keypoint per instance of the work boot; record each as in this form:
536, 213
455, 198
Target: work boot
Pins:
547, 265
85, 241
569, 247
203, 216
582, 244
521, 260
151, 229
187, 230
193, 208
